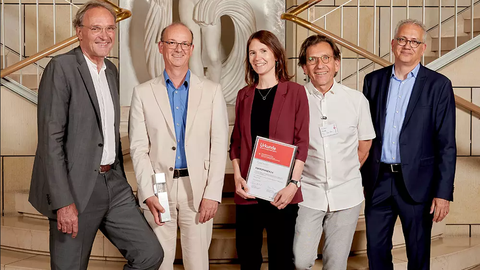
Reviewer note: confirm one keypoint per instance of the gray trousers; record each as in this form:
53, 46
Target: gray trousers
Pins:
339, 227
113, 210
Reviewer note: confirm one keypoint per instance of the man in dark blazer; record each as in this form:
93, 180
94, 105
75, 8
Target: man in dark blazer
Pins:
78, 179
411, 166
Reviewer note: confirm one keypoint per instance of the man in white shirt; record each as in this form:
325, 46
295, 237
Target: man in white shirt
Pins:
78, 179
341, 134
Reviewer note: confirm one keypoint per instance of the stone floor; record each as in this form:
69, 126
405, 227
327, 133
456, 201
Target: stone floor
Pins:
449, 253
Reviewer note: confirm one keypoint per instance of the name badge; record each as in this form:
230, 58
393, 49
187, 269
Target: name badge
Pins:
328, 130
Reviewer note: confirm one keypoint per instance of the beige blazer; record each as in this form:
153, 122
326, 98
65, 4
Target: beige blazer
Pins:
153, 144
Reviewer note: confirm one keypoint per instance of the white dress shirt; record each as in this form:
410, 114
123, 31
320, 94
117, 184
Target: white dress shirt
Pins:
107, 111
331, 177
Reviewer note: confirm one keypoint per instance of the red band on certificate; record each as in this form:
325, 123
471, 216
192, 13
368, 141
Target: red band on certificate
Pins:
274, 152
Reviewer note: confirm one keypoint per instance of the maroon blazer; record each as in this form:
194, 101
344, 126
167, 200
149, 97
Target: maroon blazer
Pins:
289, 123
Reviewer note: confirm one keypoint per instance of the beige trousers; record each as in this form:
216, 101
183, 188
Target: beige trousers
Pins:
195, 237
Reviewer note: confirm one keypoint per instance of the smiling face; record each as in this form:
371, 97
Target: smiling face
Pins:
406, 55
321, 75
96, 46
176, 58
261, 58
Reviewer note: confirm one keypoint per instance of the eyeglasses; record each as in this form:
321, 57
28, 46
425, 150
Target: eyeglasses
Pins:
173, 44
97, 29
402, 41
313, 60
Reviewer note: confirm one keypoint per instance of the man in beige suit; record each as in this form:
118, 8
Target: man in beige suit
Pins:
179, 126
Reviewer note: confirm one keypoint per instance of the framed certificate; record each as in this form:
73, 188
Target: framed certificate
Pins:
270, 167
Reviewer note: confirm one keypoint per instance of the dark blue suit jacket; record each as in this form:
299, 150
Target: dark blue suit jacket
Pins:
427, 138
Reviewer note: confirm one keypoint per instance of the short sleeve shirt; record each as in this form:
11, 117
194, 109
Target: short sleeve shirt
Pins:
331, 177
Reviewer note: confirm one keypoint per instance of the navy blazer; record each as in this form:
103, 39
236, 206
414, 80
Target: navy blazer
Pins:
427, 138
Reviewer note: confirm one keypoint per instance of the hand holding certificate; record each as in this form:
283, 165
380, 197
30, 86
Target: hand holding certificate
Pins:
270, 168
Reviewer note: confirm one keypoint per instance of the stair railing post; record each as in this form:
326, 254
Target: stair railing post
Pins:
455, 34
341, 48
20, 43
472, 10
439, 28
358, 43
423, 21
391, 28
38, 41
3, 35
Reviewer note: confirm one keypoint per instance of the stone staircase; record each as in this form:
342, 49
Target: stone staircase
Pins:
27, 75
25, 236
24, 233
448, 42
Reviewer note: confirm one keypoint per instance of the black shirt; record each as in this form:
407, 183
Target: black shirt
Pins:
261, 111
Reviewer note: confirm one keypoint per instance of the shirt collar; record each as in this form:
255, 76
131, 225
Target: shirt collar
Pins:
94, 66
185, 82
412, 73
313, 91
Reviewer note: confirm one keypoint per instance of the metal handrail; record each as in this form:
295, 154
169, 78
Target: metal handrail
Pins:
292, 16
122, 14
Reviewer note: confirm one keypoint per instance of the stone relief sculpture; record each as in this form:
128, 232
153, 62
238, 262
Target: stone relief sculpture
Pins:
158, 17
203, 18
207, 13
209, 51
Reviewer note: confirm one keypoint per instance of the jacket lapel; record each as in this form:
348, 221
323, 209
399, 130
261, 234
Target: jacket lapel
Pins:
161, 96
277, 108
383, 94
194, 96
247, 113
416, 91
87, 80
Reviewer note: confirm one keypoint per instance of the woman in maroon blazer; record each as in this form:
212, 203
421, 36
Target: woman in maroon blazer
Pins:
270, 106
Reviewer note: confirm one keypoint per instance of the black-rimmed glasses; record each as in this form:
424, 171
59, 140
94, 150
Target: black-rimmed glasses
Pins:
402, 41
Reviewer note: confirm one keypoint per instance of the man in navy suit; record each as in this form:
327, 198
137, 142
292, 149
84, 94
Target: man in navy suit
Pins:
411, 166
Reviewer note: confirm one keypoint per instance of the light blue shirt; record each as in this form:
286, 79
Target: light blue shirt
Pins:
178, 98
399, 94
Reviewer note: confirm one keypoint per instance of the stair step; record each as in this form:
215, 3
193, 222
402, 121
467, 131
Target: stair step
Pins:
453, 253
448, 42
32, 236
28, 80
225, 213
467, 25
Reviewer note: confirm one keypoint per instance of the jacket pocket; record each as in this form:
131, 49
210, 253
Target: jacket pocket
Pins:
206, 168
427, 161
206, 165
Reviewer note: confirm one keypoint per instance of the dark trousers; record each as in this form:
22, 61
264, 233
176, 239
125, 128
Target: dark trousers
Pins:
390, 200
113, 210
280, 225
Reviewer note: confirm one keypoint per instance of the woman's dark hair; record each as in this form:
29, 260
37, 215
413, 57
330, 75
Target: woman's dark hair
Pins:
272, 42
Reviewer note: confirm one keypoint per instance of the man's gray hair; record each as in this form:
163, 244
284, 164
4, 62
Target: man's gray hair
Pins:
415, 22
78, 21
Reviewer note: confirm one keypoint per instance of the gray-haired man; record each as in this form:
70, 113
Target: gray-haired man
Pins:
78, 179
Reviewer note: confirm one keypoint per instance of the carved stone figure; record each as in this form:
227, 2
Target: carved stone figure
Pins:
158, 17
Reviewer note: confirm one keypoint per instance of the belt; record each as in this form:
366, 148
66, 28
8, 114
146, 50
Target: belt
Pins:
393, 168
177, 173
104, 168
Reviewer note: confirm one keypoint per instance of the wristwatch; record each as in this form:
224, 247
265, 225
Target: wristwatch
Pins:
295, 182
